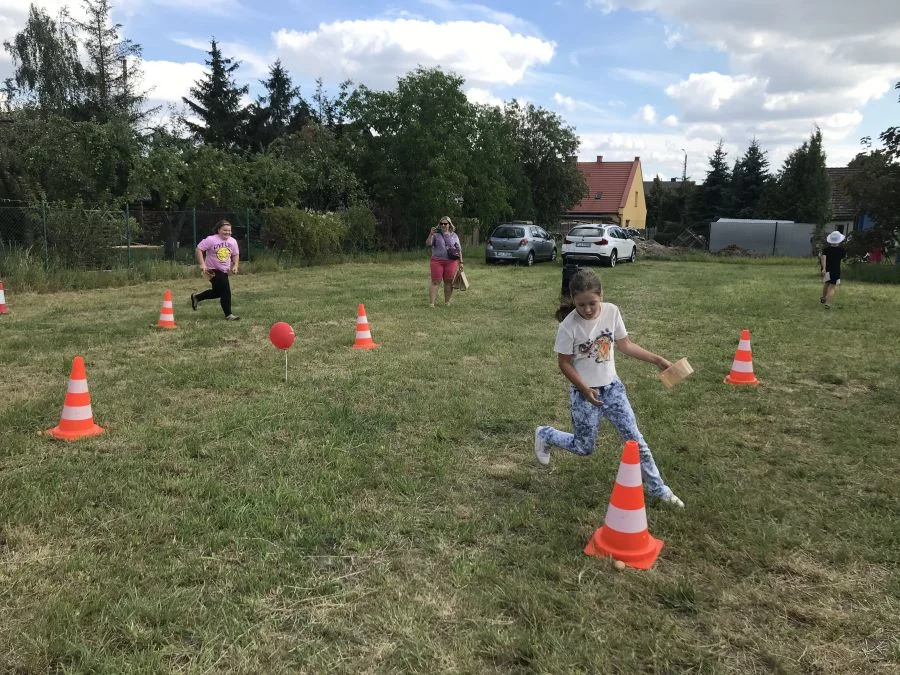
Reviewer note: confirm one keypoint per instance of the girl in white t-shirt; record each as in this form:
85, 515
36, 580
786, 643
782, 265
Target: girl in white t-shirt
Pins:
590, 330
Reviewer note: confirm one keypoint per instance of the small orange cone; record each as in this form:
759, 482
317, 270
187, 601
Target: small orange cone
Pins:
624, 535
77, 419
742, 367
363, 335
167, 313
2, 299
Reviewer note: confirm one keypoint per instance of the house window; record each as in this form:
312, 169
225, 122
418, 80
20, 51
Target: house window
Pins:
635, 197
599, 195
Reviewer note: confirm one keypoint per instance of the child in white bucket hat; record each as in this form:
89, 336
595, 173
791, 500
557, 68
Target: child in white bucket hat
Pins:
830, 260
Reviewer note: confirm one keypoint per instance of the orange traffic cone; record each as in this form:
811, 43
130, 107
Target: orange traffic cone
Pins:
363, 335
624, 535
77, 419
167, 313
742, 367
2, 299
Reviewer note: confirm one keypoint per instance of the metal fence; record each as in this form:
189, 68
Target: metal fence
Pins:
108, 238
767, 237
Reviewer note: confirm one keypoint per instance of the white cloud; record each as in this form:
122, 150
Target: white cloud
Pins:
378, 51
483, 97
647, 114
252, 62
652, 78
167, 81
673, 37
567, 102
670, 121
484, 13
793, 65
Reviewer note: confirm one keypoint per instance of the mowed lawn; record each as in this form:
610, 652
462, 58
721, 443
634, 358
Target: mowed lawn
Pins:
382, 511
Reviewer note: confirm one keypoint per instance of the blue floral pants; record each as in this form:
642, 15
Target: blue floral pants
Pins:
586, 418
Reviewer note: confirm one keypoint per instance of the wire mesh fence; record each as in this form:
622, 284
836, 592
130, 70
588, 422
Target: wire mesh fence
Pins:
113, 238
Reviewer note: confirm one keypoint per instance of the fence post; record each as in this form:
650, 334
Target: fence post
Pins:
128, 235
194, 224
248, 234
44, 227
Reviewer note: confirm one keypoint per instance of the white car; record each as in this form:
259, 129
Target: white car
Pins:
606, 244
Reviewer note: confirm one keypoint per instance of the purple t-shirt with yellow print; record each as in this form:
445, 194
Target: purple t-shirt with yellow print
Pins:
218, 252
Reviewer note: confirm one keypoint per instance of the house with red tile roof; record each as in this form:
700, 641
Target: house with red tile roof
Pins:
615, 194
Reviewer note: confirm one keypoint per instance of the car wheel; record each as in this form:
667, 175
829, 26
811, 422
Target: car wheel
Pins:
530, 259
613, 258
553, 255
633, 254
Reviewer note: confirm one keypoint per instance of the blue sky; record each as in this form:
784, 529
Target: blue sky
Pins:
649, 78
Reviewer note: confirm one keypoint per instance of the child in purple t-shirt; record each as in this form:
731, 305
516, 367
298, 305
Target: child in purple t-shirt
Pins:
218, 256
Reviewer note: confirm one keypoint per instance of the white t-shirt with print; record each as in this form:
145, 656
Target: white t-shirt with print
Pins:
591, 344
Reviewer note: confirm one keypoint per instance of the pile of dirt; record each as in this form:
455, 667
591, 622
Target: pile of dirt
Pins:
735, 251
650, 246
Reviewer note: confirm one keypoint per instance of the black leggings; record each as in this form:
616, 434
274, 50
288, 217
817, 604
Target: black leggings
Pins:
220, 289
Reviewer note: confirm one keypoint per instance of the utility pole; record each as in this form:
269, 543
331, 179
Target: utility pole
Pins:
684, 189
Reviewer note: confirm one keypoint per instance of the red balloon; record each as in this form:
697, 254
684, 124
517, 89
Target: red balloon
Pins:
282, 335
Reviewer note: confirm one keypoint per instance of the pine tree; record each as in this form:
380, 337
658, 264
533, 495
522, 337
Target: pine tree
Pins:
279, 110
747, 181
803, 184
217, 104
113, 66
714, 195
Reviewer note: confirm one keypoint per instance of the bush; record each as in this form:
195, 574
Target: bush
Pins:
359, 229
883, 273
306, 234
83, 239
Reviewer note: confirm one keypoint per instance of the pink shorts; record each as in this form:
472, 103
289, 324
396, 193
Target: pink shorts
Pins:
443, 269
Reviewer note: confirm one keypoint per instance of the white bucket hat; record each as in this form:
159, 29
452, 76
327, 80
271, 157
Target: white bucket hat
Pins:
835, 238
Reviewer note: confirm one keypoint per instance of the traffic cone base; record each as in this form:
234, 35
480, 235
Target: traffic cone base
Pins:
77, 419
167, 313
3, 309
363, 334
742, 366
624, 535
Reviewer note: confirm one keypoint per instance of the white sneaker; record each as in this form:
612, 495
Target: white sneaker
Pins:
672, 500
541, 449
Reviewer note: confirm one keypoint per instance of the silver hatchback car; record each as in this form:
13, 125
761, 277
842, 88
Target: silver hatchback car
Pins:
520, 242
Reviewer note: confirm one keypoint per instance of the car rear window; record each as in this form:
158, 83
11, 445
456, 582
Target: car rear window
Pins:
509, 232
587, 232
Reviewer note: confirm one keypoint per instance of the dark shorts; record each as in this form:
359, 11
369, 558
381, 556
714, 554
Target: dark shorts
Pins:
830, 278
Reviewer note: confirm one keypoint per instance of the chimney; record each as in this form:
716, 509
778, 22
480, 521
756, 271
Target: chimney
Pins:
599, 159
637, 159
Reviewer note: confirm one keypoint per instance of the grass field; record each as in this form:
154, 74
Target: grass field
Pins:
382, 511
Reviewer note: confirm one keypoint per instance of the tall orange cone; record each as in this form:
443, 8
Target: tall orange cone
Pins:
363, 334
167, 313
2, 299
77, 419
624, 535
742, 366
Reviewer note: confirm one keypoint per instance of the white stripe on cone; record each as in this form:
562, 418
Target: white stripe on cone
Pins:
167, 304
76, 413
77, 387
363, 334
744, 345
362, 320
629, 521
629, 475
742, 366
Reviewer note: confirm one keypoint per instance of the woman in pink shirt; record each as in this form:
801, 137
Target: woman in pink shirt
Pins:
446, 258
218, 256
